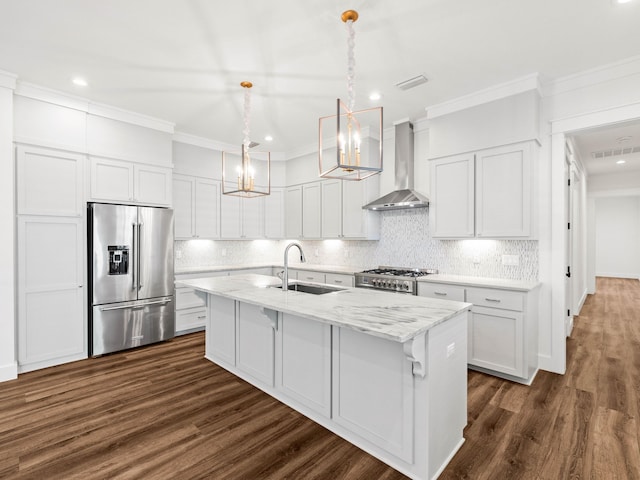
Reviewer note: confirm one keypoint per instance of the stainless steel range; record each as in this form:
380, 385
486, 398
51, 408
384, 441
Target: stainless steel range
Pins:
393, 279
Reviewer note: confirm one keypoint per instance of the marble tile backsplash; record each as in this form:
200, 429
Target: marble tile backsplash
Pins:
405, 241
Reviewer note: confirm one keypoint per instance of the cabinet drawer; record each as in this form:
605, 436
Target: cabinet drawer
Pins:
439, 290
504, 299
190, 319
306, 276
339, 279
187, 298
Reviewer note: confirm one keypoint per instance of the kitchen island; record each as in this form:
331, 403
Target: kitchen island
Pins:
385, 371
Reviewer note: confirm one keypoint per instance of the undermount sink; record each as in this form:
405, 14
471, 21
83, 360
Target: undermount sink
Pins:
311, 288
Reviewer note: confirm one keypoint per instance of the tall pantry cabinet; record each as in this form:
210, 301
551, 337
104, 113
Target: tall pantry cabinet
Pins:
51, 293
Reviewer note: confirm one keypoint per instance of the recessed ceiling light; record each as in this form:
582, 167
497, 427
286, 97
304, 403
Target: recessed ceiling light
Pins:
375, 96
268, 138
623, 1
80, 82
620, 162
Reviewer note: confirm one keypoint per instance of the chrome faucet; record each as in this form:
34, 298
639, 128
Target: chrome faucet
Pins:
285, 274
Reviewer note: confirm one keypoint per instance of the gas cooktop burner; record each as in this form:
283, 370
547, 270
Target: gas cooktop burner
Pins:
402, 280
400, 272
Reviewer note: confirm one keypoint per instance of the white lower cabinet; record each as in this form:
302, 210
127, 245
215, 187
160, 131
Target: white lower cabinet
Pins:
365, 368
220, 334
255, 342
502, 330
51, 324
191, 307
304, 366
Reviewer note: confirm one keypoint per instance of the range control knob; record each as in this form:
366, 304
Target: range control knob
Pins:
406, 286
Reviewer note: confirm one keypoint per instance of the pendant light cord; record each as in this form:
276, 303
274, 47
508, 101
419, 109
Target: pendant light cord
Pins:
351, 65
247, 111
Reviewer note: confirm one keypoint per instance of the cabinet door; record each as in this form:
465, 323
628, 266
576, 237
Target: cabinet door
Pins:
207, 212
230, 216
49, 182
356, 222
252, 217
503, 192
304, 373
190, 319
274, 214
496, 340
311, 207
340, 279
152, 185
255, 345
332, 208
111, 180
183, 206
451, 209
220, 334
307, 276
366, 367
293, 212
51, 325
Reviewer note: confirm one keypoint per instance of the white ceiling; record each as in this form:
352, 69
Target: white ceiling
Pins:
183, 60
599, 149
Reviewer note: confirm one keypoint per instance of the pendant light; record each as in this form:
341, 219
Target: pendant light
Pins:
350, 142
246, 174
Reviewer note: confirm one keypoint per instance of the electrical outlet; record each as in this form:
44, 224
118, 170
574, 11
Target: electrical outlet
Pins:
317, 252
346, 253
476, 259
451, 349
511, 260
178, 254
224, 252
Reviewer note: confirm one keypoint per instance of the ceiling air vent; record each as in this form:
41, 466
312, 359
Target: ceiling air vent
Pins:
614, 152
412, 82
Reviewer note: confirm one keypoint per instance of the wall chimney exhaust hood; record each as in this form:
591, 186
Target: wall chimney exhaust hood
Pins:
404, 196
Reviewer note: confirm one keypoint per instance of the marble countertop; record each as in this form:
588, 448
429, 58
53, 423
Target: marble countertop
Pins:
393, 316
346, 269
506, 284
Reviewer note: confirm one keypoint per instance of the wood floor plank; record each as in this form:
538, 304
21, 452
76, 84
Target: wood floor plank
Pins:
165, 412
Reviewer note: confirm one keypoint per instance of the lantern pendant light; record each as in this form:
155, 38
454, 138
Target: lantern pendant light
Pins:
240, 170
350, 142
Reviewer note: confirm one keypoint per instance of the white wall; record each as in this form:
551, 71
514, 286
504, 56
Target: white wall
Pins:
8, 364
617, 240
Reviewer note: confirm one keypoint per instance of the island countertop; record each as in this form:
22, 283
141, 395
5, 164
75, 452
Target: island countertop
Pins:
394, 316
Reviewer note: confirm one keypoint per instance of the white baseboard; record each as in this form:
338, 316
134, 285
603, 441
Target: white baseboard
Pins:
8, 372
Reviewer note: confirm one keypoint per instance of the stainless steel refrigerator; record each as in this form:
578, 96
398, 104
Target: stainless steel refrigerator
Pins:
130, 276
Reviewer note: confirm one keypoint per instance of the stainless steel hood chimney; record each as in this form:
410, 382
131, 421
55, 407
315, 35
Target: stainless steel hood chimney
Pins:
404, 196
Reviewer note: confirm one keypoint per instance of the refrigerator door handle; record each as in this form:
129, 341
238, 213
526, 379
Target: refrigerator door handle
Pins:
138, 306
140, 257
134, 260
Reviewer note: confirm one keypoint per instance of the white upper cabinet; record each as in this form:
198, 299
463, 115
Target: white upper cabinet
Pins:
293, 212
332, 208
195, 206
311, 210
241, 218
356, 222
118, 181
503, 191
49, 182
274, 214
485, 194
452, 200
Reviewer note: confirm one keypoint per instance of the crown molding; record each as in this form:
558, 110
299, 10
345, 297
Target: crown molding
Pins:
115, 113
8, 80
604, 73
197, 141
495, 92
55, 97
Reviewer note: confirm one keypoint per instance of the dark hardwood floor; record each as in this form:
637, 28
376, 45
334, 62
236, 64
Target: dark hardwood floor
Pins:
164, 412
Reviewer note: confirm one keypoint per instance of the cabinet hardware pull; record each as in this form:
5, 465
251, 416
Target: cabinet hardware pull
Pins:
492, 300
202, 316
338, 281
441, 293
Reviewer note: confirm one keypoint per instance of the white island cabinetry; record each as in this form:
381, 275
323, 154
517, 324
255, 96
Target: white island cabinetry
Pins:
395, 387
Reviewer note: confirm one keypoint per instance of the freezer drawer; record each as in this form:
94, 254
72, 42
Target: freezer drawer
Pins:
119, 326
